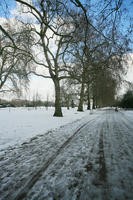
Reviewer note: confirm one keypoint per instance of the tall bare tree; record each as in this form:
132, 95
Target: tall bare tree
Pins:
13, 59
55, 27
53, 33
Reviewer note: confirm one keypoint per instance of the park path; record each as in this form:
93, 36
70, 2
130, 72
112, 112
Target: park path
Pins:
91, 160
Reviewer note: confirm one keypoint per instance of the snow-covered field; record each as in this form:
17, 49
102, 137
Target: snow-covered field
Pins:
19, 124
89, 157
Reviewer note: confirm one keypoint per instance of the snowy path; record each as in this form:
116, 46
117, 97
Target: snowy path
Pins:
89, 159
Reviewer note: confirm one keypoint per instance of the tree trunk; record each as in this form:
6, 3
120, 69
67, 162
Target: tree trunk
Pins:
88, 98
94, 102
67, 102
80, 107
58, 111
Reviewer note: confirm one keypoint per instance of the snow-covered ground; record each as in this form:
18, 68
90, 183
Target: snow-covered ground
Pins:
19, 124
89, 158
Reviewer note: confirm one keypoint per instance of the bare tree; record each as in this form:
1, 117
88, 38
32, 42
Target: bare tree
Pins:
57, 34
53, 34
13, 62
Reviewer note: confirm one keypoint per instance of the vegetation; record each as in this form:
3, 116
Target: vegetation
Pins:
127, 100
25, 103
80, 43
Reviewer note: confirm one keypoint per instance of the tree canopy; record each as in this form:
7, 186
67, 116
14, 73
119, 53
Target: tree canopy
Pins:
86, 41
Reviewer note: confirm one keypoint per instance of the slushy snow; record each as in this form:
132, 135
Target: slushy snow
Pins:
89, 157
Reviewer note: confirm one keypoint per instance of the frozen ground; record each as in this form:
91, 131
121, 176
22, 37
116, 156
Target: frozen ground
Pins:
19, 124
87, 159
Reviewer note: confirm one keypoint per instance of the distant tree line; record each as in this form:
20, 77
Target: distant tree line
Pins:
127, 100
25, 103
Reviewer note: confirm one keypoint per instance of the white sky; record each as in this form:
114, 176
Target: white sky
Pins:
43, 86
129, 76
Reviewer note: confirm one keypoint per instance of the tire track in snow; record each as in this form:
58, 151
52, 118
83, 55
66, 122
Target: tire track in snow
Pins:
85, 157
119, 138
103, 170
101, 178
96, 141
96, 155
125, 131
22, 192
20, 163
114, 175
109, 144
